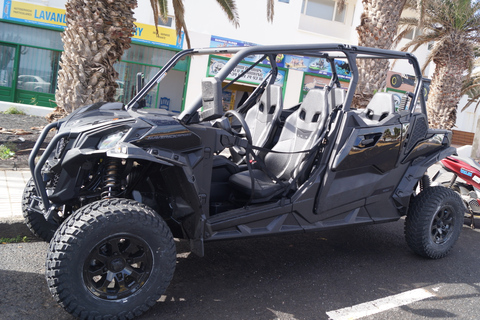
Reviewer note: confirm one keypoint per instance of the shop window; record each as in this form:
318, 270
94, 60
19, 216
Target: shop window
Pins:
7, 61
38, 70
15, 33
167, 23
323, 9
167, 95
148, 55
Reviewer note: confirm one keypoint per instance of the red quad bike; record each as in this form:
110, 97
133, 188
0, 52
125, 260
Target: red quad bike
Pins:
117, 183
465, 180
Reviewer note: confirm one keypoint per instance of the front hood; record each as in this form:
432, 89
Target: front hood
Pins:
95, 114
147, 129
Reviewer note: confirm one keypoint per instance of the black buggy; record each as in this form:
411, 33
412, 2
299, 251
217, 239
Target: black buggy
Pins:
117, 183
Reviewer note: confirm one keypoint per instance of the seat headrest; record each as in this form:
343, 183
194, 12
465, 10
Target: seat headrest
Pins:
313, 106
381, 106
271, 97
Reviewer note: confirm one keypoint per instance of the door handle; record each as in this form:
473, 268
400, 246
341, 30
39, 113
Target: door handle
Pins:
369, 140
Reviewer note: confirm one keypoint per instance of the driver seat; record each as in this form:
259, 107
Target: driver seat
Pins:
301, 130
262, 117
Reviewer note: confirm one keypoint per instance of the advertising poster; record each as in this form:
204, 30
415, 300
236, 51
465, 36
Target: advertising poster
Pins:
254, 76
401, 83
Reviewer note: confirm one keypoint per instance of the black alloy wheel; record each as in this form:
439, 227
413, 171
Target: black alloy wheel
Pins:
118, 267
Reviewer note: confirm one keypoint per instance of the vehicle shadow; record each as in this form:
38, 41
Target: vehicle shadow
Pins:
305, 275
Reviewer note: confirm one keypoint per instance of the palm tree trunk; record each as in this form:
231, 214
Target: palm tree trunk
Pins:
445, 93
377, 29
97, 34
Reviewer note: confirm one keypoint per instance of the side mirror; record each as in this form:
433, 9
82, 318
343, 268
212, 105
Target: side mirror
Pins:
211, 99
139, 82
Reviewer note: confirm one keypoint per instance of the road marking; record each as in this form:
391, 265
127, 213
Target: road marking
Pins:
379, 305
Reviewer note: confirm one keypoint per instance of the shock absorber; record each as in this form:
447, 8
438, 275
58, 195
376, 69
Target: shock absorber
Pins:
111, 179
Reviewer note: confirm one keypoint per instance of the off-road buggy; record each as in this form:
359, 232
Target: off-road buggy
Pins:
117, 183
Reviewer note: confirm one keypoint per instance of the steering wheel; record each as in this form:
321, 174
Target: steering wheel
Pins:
238, 153
239, 117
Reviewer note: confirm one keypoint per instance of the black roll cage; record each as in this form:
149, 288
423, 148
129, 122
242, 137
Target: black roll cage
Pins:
326, 51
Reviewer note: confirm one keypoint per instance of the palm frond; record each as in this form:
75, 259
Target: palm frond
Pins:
271, 10
163, 6
179, 12
230, 8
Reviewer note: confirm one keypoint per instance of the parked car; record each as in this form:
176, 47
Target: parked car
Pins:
32, 83
118, 182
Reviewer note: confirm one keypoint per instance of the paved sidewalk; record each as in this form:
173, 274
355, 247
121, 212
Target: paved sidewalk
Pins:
12, 184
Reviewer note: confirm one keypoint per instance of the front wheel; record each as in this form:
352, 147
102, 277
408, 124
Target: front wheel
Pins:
112, 258
434, 222
32, 213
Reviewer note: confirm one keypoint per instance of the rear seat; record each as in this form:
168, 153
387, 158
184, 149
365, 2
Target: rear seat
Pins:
379, 108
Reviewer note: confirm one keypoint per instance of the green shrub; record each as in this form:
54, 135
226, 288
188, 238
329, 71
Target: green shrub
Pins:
13, 110
17, 239
5, 152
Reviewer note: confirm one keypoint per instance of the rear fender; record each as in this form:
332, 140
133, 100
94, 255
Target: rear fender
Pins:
414, 173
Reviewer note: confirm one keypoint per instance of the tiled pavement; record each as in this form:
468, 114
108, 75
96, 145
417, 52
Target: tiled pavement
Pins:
12, 184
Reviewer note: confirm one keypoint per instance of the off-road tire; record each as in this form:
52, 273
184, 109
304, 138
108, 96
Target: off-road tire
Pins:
36, 221
434, 222
103, 241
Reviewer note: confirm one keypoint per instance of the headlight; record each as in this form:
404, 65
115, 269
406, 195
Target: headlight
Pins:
111, 140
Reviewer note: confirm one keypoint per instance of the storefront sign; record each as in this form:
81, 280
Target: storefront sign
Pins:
146, 33
55, 17
254, 76
34, 14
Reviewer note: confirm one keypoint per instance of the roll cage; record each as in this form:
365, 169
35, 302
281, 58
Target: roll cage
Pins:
330, 52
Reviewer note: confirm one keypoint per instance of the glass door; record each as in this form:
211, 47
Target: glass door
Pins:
7, 71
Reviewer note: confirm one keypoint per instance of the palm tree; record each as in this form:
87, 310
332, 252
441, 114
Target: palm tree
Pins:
453, 26
471, 87
377, 29
97, 34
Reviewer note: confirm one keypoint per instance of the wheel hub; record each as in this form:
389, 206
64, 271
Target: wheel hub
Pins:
441, 225
117, 265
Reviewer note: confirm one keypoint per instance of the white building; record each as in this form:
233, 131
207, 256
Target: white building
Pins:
30, 38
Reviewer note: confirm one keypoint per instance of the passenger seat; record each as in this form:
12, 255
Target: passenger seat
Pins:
262, 117
300, 132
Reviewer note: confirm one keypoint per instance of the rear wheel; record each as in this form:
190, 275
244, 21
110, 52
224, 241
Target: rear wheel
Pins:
119, 256
433, 222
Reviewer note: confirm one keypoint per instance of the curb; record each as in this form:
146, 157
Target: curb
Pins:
28, 109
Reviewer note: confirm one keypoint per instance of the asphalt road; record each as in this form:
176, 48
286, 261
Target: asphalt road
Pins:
301, 276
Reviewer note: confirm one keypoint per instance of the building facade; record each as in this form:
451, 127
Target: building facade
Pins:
30, 49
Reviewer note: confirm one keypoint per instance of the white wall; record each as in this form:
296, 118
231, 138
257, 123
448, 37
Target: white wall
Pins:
466, 120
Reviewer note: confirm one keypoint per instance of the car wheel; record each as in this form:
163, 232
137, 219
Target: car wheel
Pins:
112, 258
35, 220
433, 222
